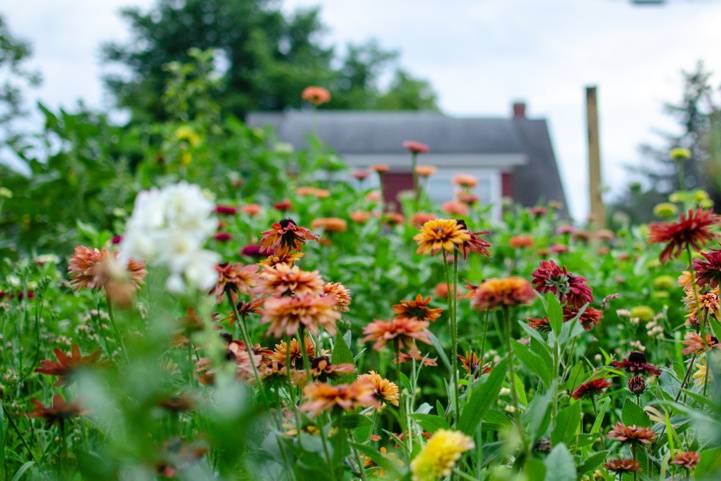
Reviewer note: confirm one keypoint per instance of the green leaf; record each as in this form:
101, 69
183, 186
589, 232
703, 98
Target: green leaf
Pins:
538, 415
379, 459
567, 424
441, 352
633, 415
535, 470
554, 311
602, 410
23, 469
341, 352
560, 465
533, 363
592, 462
481, 398
431, 422
710, 463
342, 355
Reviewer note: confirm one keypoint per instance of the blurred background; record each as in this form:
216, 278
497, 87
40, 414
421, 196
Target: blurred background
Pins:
655, 64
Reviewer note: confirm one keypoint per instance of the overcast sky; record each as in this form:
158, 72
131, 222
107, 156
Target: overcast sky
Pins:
480, 55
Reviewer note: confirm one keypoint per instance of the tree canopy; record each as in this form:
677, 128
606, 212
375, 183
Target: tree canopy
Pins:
264, 57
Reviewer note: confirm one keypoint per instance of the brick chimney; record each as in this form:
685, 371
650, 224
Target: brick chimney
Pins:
519, 110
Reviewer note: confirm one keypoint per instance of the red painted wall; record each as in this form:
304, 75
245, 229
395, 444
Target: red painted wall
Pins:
393, 184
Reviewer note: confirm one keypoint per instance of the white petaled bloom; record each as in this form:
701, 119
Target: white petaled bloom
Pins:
168, 228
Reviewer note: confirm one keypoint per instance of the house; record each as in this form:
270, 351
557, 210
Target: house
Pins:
510, 156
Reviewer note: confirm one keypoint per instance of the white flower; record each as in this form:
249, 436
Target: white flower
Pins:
168, 228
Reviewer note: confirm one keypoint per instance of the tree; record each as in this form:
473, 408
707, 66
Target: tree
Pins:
268, 57
14, 76
698, 116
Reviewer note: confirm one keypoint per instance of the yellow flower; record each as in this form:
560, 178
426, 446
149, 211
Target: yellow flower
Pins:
439, 456
665, 209
663, 283
700, 195
699, 376
644, 313
680, 153
185, 133
441, 234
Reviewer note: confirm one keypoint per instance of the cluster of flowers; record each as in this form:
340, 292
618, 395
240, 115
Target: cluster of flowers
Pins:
295, 305
168, 228
571, 290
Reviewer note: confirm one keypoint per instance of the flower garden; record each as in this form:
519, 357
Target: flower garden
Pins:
278, 326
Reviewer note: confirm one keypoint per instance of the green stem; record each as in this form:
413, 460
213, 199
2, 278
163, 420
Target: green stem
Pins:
246, 340
118, 337
304, 352
512, 374
416, 190
326, 452
452, 283
686, 378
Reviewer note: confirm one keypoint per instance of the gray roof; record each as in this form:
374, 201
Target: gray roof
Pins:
376, 132
351, 132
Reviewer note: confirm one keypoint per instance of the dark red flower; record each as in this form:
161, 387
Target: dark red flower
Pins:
589, 319
475, 243
57, 413
708, 269
539, 323
222, 236
117, 239
472, 365
636, 362
226, 209
67, 365
252, 250
283, 205
691, 230
590, 388
570, 288
415, 147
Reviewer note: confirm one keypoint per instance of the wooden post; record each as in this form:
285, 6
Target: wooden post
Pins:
598, 212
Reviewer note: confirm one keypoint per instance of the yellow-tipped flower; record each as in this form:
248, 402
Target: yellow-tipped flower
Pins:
441, 235
665, 210
699, 376
438, 457
664, 283
680, 153
644, 313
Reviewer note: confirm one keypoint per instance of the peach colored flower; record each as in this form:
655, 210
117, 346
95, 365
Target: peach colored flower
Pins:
465, 181
384, 390
234, 278
251, 210
316, 95
360, 217
507, 292
339, 293
330, 224
286, 315
453, 207
404, 331
285, 280
425, 170
320, 397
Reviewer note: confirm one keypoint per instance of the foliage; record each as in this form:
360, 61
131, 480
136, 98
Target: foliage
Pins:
697, 115
14, 76
267, 58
